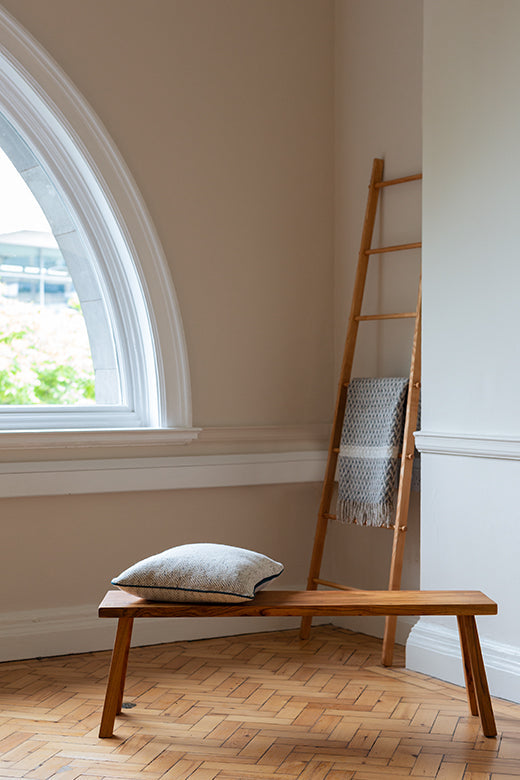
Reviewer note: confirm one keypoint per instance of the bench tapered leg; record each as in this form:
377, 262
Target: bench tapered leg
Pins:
387, 656
116, 677
466, 663
305, 628
478, 673
125, 651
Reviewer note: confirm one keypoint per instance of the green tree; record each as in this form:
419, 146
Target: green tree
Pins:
44, 355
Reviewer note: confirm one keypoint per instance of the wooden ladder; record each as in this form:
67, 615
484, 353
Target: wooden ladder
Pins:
405, 474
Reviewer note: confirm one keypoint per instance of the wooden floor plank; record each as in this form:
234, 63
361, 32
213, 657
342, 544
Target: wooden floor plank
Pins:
258, 707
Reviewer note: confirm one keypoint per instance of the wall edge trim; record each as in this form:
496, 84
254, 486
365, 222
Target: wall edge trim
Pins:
160, 473
434, 649
471, 445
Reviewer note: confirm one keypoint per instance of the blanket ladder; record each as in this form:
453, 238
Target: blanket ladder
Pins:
405, 475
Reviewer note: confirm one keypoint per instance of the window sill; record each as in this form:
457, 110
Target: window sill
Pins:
94, 437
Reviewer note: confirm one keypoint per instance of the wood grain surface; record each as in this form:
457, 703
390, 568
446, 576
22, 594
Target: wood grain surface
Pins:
253, 707
310, 602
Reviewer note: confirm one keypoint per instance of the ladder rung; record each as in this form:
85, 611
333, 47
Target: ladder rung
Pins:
390, 182
405, 315
337, 450
397, 248
334, 585
385, 527
416, 384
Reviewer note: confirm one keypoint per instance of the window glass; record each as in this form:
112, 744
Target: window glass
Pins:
45, 354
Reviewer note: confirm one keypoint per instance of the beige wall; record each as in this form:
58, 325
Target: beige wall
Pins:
378, 114
378, 85
223, 112
63, 551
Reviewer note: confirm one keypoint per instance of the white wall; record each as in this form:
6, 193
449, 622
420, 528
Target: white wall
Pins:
378, 84
470, 533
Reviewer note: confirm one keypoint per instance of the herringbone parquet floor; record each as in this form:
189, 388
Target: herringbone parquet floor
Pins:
260, 707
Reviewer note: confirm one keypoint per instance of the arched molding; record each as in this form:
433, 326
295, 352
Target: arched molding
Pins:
68, 139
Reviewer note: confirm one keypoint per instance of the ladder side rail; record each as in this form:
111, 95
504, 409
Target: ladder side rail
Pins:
405, 482
345, 374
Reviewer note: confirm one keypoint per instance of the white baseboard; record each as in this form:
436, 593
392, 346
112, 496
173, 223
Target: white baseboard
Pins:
434, 649
61, 631
375, 626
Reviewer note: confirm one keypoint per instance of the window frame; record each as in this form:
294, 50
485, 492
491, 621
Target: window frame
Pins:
71, 144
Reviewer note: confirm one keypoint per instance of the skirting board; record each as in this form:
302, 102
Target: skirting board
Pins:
434, 650
375, 626
48, 632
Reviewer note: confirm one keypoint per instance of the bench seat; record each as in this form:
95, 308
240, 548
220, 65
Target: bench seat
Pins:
310, 602
464, 604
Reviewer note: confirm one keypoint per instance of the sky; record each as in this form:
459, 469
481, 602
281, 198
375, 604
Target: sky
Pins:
19, 209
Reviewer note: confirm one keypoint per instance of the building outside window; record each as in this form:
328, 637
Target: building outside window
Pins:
32, 269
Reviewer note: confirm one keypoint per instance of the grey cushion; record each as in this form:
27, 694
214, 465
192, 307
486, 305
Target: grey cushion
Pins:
199, 572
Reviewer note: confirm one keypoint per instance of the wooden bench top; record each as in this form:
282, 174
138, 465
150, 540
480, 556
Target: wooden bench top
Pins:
328, 603
465, 604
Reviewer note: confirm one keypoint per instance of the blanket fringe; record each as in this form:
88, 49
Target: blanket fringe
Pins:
361, 513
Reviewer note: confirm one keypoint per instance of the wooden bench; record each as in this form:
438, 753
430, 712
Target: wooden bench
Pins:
464, 604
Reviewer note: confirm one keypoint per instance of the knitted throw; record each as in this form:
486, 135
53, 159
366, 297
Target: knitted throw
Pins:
371, 440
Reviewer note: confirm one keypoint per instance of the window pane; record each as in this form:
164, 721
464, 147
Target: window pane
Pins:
45, 355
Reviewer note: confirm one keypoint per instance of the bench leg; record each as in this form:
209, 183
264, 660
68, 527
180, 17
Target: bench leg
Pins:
475, 673
387, 656
466, 663
116, 677
125, 653
305, 628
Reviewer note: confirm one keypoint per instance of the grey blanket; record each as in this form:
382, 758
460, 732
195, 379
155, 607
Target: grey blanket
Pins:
371, 440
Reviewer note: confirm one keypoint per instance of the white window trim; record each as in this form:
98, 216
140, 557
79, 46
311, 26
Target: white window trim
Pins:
49, 112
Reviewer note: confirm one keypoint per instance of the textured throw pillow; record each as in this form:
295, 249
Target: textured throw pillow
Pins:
199, 572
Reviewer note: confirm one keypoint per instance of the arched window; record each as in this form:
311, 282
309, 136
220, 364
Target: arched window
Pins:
108, 243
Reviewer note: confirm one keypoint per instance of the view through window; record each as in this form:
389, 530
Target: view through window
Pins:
45, 356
